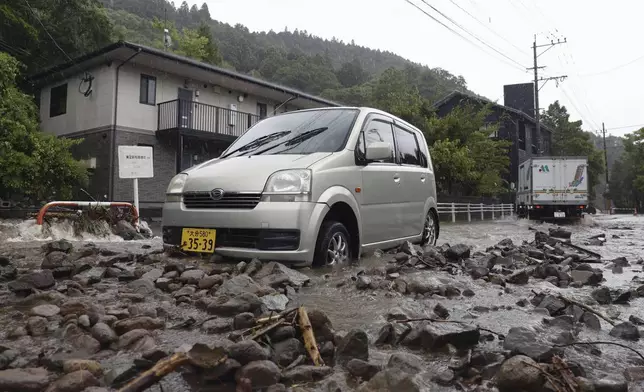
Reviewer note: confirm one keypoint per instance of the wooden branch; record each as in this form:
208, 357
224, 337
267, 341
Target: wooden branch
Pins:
602, 342
153, 375
266, 330
463, 323
566, 373
275, 317
309, 338
587, 308
579, 248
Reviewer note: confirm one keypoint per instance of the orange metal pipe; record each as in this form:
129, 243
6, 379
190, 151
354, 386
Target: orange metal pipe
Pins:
41, 214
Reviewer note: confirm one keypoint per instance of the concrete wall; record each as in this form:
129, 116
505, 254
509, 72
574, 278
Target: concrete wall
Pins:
82, 113
133, 114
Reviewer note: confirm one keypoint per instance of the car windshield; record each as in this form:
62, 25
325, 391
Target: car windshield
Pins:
302, 132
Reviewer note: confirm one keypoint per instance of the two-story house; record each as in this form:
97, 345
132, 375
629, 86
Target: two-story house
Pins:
515, 120
128, 94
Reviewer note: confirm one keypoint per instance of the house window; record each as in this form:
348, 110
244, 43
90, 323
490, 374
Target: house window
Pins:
148, 93
58, 100
262, 110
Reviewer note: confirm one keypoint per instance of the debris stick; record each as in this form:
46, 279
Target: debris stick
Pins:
587, 308
602, 342
153, 375
309, 338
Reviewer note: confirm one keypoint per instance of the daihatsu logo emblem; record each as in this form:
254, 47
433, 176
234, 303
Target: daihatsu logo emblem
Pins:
217, 194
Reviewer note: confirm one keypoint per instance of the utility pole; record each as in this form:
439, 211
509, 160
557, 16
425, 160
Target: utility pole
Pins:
557, 79
606, 192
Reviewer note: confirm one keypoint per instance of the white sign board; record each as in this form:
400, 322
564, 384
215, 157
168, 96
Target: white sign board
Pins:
135, 162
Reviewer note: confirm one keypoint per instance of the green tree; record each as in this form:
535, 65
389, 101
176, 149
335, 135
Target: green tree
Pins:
568, 139
77, 26
627, 176
452, 164
34, 166
197, 44
352, 74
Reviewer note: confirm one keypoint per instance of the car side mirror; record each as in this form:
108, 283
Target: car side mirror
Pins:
378, 151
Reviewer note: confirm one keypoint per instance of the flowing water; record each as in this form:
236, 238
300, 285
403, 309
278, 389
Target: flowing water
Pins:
333, 290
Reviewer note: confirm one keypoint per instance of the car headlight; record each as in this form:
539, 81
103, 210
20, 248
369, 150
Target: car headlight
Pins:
175, 188
288, 185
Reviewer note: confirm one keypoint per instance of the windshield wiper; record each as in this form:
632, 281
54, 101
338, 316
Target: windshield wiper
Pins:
295, 140
258, 142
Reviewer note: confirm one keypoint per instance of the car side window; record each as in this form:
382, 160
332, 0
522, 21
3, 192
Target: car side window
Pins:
376, 131
407, 146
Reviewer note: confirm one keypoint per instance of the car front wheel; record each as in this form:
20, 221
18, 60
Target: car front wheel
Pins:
333, 246
430, 230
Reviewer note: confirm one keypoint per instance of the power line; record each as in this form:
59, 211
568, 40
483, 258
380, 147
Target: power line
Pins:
614, 68
46, 31
473, 35
487, 27
625, 126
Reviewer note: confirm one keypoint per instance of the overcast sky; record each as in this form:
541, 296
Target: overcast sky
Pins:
603, 57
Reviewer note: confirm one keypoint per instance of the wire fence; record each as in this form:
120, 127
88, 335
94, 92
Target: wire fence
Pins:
475, 211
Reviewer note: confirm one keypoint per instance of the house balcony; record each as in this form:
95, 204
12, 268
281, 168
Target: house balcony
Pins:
203, 120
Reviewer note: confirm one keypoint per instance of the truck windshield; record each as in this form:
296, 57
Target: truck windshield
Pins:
302, 132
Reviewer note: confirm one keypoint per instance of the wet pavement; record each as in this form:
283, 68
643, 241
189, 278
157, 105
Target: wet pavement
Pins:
333, 291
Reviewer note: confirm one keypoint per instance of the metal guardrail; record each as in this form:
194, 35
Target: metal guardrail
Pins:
476, 209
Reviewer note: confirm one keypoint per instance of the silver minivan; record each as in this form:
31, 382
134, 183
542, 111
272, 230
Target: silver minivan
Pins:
318, 186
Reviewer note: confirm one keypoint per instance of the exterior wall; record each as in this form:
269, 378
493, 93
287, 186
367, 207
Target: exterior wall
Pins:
133, 114
82, 113
96, 144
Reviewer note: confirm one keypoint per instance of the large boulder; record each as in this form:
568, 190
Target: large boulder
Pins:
522, 341
433, 336
275, 274
354, 345
41, 280
394, 380
24, 380
242, 284
519, 373
458, 252
261, 374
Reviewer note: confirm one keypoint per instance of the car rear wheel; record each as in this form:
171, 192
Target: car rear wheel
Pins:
430, 230
333, 246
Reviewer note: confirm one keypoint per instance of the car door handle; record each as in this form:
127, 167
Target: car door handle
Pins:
396, 178
422, 178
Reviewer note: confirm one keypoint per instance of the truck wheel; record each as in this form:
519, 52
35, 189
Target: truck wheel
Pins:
333, 245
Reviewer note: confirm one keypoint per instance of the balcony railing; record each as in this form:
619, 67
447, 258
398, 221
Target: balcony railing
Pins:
197, 116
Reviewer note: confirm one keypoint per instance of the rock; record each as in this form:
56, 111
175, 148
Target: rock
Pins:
246, 302
131, 338
209, 282
141, 322
441, 311
432, 336
45, 310
519, 277
305, 374
560, 233
17, 333
192, 276
634, 373
322, 326
552, 304
24, 380
103, 333
247, 351
541, 237
519, 373
522, 341
54, 260
354, 345
185, 291
242, 284
125, 230
458, 252
362, 369
275, 302
61, 245
36, 280
468, 293
626, 331
621, 262
153, 274
37, 326
74, 365
386, 335
118, 376
91, 276
85, 343
141, 286
287, 351
363, 282
74, 382
444, 377
603, 385
83, 321
243, 320
478, 272
591, 321
261, 374
602, 295
275, 274
636, 320
216, 326
394, 380
406, 362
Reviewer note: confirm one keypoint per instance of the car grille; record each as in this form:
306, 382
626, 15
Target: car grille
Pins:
239, 201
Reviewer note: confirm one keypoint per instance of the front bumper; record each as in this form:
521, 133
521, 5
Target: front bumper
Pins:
277, 231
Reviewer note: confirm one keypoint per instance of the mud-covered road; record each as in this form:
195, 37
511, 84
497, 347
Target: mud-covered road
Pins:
504, 311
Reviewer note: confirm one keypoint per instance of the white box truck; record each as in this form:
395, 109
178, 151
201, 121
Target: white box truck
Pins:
552, 188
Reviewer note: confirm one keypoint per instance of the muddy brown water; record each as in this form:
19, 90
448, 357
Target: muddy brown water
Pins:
332, 291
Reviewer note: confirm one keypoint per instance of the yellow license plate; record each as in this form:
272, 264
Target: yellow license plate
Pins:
198, 240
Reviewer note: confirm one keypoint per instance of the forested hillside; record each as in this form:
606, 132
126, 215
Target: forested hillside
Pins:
335, 69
